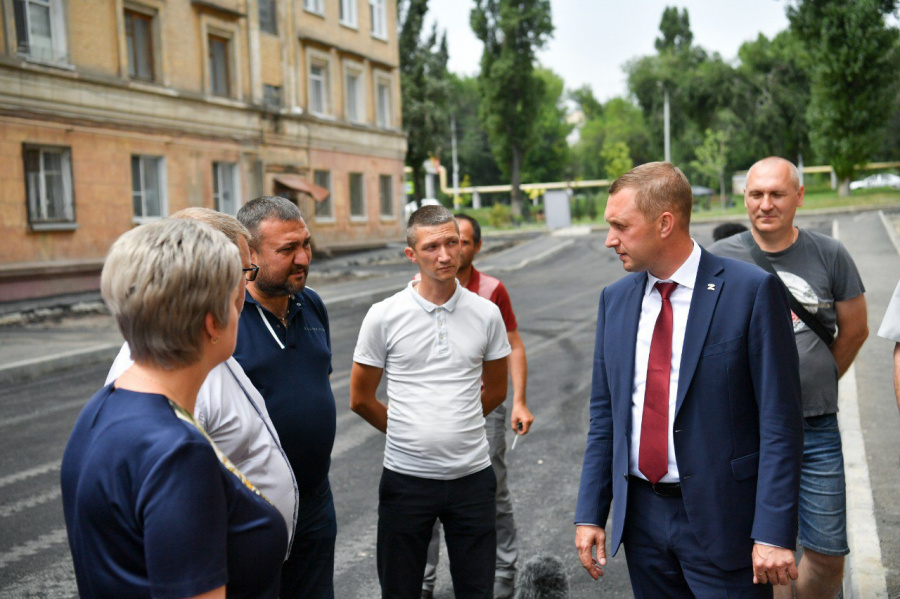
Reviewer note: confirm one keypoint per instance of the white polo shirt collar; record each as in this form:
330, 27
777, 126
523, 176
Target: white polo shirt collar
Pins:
449, 305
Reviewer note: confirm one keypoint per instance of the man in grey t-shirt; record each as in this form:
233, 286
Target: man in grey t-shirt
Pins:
819, 272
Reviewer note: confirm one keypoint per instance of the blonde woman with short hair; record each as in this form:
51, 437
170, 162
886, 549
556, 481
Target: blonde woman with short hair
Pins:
152, 507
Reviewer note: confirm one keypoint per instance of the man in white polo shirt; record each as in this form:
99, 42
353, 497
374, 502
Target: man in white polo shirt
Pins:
438, 343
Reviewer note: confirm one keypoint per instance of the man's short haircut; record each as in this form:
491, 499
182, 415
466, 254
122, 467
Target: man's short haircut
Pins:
476, 228
658, 187
224, 223
427, 216
160, 280
793, 171
259, 209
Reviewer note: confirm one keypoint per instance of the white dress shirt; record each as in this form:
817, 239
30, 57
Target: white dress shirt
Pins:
685, 276
234, 415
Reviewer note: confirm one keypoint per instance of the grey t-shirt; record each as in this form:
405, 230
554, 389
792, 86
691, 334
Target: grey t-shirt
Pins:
818, 271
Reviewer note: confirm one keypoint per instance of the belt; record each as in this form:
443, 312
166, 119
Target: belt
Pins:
661, 489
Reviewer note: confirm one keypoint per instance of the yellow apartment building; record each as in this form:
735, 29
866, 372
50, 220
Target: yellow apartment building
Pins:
114, 113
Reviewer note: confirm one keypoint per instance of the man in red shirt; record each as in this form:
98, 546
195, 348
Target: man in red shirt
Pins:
521, 418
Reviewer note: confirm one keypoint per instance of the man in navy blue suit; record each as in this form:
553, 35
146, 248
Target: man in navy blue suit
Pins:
696, 431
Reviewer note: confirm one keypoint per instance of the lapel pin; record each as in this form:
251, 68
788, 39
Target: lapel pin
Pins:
710, 286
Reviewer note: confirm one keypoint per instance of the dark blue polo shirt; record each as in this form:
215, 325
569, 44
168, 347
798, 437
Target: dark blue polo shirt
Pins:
294, 380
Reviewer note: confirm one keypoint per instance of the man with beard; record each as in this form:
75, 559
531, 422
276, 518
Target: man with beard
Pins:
284, 346
520, 419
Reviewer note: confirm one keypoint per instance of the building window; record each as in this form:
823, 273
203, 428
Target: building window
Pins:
267, 16
386, 194
48, 184
218, 66
318, 87
383, 103
379, 18
148, 187
357, 196
314, 6
325, 208
271, 97
139, 37
354, 96
40, 29
348, 13
226, 187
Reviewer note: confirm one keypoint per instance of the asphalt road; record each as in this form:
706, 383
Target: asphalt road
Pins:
555, 300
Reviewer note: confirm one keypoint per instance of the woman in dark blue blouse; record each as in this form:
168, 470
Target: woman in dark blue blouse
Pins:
152, 507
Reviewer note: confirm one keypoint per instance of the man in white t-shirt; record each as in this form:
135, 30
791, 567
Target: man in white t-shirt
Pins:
437, 343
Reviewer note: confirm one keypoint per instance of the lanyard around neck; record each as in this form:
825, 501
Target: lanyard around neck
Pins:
269, 326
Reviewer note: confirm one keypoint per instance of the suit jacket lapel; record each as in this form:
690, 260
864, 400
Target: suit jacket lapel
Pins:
707, 288
623, 361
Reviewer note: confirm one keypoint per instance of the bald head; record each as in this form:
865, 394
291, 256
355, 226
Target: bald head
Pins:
776, 164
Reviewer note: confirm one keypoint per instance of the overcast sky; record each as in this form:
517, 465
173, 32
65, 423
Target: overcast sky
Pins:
593, 39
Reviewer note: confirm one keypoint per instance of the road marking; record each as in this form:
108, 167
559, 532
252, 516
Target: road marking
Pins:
61, 407
865, 575
29, 502
30, 473
33, 547
890, 230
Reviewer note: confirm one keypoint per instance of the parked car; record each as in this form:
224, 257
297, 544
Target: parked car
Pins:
879, 180
411, 206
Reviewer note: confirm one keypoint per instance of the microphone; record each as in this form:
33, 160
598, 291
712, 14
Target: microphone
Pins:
543, 577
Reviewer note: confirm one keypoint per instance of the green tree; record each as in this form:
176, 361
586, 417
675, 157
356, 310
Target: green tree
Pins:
473, 148
676, 31
619, 120
853, 73
512, 31
616, 158
774, 95
548, 156
712, 158
424, 89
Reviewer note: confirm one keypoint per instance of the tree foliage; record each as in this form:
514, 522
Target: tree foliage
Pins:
712, 158
512, 31
473, 149
424, 89
853, 73
548, 155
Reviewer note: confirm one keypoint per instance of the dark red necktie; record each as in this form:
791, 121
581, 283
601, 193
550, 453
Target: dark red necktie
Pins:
653, 457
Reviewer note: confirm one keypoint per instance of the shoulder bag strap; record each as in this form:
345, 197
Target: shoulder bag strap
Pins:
802, 313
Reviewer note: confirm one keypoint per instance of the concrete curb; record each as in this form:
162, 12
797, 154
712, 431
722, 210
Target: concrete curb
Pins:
864, 575
26, 370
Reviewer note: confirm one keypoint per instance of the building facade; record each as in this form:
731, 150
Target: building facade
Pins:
114, 113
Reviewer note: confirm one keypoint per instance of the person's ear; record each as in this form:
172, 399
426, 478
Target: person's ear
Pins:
666, 224
410, 253
212, 329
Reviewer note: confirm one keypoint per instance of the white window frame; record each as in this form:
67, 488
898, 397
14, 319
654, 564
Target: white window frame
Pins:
356, 71
362, 200
226, 173
378, 17
349, 13
384, 115
36, 189
57, 51
321, 214
161, 185
316, 7
323, 61
391, 197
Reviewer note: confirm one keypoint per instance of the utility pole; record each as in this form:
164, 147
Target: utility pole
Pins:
666, 136
455, 165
